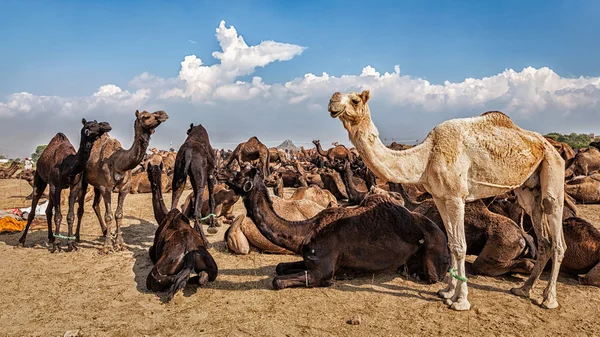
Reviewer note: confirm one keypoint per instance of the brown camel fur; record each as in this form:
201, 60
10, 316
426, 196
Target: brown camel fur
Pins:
332, 181
565, 150
584, 189
178, 250
60, 167
399, 147
583, 250
109, 170
463, 160
339, 152
334, 240
584, 162
249, 151
225, 199
8, 172
197, 159
355, 196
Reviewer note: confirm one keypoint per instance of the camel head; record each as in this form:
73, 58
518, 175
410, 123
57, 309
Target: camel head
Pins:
93, 130
349, 107
243, 181
316, 142
149, 121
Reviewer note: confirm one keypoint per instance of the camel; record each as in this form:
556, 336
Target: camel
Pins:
178, 249
139, 180
463, 160
584, 189
60, 167
339, 152
584, 162
565, 150
398, 146
315, 194
277, 155
109, 170
197, 159
251, 150
8, 172
355, 196
333, 241
225, 199
583, 253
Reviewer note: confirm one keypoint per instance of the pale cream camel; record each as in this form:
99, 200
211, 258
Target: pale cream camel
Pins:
468, 159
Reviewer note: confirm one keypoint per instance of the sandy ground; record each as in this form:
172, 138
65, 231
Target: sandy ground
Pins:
46, 294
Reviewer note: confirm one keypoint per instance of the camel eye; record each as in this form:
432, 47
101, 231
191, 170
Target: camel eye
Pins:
356, 100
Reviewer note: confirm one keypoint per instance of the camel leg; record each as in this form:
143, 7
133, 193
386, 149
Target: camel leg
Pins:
96, 207
198, 191
119, 217
212, 223
49, 212
80, 209
454, 217
38, 189
205, 264
106, 195
318, 277
55, 196
177, 189
286, 268
71, 217
592, 278
450, 289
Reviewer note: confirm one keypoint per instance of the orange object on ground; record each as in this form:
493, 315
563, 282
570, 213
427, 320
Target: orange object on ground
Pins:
10, 224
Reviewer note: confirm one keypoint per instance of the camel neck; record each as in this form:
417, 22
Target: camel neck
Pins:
320, 150
353, 193
283, 233
134, 155
81, 157
406, 166
158, 204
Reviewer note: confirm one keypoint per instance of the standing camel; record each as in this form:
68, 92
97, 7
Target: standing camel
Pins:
339, 152
60, 167
197, 159
109, 170
464, 160
251, 150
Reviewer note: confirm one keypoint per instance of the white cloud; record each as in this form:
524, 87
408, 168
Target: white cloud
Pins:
192, 42
217, 96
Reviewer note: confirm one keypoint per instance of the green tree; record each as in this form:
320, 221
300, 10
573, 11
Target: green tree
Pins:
575, 140
38, 151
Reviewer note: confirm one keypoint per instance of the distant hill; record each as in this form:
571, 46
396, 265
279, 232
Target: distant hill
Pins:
288, 145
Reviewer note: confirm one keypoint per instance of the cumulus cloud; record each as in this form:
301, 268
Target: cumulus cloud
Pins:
538, 99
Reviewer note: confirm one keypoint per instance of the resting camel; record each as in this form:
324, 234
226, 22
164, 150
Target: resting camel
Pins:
467, 159
225, 199
339, 152
398, 146
583, 253
355, 196
320, 196
140, 182
334, 240
251, 150
584, 189
565, 150
197, 159
178, 249
584, 162
109, 170
8, 172
60, 167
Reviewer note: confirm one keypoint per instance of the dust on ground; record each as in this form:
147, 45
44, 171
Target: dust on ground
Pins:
46, 294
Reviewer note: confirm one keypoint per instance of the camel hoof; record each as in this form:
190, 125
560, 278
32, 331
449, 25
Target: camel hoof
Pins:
212, 230
55, 247
277, 285
550, 304
105, 250
20, 245
520, 292
202, 278
71, 246
461, 305
446, 294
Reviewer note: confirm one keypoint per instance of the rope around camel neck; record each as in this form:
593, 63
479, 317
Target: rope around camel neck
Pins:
452, 272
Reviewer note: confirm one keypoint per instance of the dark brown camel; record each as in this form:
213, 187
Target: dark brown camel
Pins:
251, 150
225, 199
196, 159
334, 240
355, 196
60, 167
339, 152
565, 150
178, 250
109, 170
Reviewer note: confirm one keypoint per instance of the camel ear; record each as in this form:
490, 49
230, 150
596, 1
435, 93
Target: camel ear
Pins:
137, 113
83, 121
365, 95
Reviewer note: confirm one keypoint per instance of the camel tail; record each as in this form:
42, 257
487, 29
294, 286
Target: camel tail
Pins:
530, 244
267, 169
181, 279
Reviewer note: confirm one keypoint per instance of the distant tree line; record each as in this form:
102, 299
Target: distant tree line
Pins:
575, 140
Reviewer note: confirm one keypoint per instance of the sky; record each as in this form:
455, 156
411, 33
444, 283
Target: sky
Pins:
268, 68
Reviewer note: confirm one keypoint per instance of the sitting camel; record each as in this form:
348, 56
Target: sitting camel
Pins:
225, 199
565, 150
197, 159
334, 240
339, 152
584, 189
315, 194
584, 162
60, 167
249, 151
139, 180
583, 250
178, 249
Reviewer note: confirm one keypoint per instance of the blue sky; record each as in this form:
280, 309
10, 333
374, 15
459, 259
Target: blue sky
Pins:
535, 60
73, 47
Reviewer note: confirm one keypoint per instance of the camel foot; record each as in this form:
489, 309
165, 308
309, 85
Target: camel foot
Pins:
212, 230
202, 278
20, 245
105, 249
71, 246
446, 294
55, 246
104, 232
460, 305
277, 284
522, 291
550, 303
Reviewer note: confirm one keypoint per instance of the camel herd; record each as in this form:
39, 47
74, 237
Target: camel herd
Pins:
479, 186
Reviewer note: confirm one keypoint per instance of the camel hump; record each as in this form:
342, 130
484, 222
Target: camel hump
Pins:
498, 118
60, 137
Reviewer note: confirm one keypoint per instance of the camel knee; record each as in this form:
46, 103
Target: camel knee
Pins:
458, 249
549, 205
119, 215
107, 218
70, 218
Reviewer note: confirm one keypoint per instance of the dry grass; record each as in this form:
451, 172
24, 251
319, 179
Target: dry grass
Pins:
47, 294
